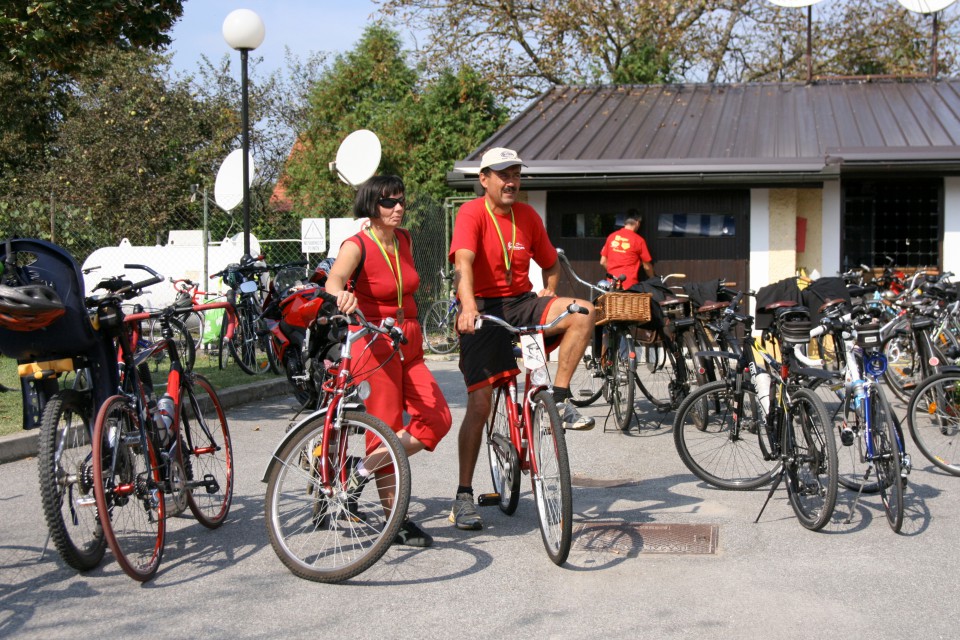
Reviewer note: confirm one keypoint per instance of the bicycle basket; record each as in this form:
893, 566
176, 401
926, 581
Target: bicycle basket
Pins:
868, 336
623, 307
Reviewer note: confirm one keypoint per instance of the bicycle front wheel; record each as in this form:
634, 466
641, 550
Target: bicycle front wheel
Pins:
66, 488
127, 489
718, 435
811, 452
933, 417
247, 348
186, 346
331, 533
623, 366
440, 327
586, 385
503, 457
552, 491
887, 460
207, 452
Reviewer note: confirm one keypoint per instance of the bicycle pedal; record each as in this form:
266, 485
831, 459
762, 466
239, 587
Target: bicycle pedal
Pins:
86, 501
488, 499
210, 483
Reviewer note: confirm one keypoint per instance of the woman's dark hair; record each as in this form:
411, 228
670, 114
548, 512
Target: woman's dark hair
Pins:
370, 192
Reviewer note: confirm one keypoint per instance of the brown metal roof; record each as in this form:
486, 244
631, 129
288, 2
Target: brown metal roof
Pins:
765, 132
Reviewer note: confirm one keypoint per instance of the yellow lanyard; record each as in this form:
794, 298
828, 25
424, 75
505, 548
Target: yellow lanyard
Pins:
397, 274
513, 223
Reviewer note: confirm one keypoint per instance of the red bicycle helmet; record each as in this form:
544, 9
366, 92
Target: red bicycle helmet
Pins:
29, 307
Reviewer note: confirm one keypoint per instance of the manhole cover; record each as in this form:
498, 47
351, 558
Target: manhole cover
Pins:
626, 538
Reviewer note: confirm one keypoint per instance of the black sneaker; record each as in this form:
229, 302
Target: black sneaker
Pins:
413, 536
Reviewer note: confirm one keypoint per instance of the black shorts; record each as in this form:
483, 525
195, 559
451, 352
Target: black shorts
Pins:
486, 356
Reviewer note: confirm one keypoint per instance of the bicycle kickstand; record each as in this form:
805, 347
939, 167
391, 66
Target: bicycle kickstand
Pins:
856, 498
773, 488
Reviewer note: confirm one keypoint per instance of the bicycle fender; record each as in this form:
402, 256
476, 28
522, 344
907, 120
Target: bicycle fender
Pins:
348, 406
952, 368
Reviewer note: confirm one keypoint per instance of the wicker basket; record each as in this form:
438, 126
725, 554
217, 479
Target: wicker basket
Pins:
623, 307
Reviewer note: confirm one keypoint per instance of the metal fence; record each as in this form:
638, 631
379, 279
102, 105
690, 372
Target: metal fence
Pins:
430, 224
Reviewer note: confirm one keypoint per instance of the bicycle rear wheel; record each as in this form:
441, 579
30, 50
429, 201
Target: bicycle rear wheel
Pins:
552, 491
721, 445
587, 382
933, 416
66, 480
247, 347
502, 455
811, 451
440, 328
207, 452
126, 485
657, 373
332, 535
904, 368
623, 365
883, 432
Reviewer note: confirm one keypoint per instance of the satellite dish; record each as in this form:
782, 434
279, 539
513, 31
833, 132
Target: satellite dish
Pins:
228, 189
794, 3
358, 157
926, 6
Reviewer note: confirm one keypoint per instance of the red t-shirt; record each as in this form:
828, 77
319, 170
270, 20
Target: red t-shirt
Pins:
474, 230
625, 250
376, 288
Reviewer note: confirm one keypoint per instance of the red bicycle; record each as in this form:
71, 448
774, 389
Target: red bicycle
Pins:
326, 522
528, 437
144, 450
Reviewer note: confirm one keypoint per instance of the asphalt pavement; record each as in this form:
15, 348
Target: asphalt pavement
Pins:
631, 572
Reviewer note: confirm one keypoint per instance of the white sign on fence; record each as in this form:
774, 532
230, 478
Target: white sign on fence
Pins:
313, 235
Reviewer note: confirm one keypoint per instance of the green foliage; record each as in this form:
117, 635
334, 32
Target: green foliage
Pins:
643, 64
128, 147
58, 34
424, 123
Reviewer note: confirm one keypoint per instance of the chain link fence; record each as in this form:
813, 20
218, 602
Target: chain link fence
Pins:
174, 246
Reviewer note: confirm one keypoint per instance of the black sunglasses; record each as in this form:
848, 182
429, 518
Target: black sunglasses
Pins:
390, 203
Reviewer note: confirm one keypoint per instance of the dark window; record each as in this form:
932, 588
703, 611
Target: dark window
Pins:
899, 219
582, 225
695, 225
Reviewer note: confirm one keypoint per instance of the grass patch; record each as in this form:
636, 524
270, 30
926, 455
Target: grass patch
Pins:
11, 412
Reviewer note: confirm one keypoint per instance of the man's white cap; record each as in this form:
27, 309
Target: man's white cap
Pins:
499, 159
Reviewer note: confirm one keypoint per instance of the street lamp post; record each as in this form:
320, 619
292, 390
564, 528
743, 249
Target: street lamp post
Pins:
244, 31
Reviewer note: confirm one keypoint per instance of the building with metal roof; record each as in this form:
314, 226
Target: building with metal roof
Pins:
823, 175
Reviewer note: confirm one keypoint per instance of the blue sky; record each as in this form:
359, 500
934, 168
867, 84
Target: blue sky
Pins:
332, 26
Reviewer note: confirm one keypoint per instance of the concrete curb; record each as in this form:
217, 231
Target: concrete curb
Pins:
24, 444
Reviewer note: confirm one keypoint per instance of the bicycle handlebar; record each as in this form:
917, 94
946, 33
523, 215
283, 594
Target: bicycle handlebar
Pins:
573, 307
387, 327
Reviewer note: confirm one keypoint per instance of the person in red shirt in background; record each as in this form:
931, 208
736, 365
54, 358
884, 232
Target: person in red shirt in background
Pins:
625, 250
495, 237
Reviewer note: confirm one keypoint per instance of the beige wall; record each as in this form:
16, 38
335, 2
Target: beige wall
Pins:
786, 205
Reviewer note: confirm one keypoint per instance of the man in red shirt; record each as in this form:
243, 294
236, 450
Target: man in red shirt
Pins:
494, 239
624, 251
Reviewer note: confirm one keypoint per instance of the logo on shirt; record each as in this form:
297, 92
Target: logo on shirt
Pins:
515, 246
620, 243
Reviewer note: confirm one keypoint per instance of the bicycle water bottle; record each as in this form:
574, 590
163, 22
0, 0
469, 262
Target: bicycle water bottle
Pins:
163, 417
763, 391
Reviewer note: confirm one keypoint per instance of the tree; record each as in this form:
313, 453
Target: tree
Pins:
126, 152
59, 34
523, 47
424, 123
